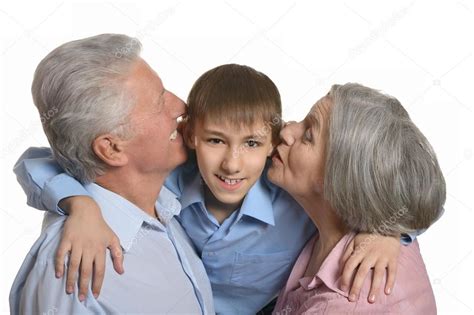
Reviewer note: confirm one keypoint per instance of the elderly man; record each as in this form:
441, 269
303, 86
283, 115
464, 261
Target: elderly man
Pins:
114, 128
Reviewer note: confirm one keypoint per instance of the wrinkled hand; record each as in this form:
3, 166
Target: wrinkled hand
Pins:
367, 251
86, 237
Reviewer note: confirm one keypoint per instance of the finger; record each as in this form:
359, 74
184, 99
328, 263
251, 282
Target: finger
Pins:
72, 269
85, 275
377, 280
359, 278
347, 253
349, 271
63, 249
117, 255
391, 276
98, 277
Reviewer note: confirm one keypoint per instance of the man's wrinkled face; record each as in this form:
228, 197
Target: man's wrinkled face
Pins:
156, 145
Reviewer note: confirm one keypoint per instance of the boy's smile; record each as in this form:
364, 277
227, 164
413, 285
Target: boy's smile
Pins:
230, 160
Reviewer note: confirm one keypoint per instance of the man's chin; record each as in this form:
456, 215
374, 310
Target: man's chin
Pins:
183, 157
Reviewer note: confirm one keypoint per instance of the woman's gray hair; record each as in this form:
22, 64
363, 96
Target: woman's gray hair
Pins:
382, 175
79, 91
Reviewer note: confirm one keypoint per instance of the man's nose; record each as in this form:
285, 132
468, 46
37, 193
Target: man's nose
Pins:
180, 105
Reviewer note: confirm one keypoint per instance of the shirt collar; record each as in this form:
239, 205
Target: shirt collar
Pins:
330, 272
125, 218
193, 191
257, 203
167, 206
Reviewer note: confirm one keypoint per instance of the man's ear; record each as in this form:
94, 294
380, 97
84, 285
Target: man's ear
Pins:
110, 149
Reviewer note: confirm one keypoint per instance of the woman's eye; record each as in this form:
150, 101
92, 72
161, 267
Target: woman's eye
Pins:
252, 143
308, 135
215, 141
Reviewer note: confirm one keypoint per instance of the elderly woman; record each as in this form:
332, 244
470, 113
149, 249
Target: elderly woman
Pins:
358, 163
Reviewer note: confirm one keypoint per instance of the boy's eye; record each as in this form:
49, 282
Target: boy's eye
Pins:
252, 143
214, 141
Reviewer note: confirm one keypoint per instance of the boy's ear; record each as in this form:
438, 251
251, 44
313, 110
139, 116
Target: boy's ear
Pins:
270, 151
188, 135
110, 149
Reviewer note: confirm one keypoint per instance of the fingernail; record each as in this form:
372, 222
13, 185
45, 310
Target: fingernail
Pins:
69, 290
58, 275
388, 291
82, 297
344, 288
372, 298
96, 295
352, 297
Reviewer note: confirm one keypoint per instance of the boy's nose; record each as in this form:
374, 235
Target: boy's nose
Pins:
232, 162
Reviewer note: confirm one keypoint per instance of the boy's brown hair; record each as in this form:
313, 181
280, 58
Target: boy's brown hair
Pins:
236, 94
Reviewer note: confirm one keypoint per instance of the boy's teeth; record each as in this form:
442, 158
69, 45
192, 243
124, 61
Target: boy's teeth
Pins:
230, 181
174, 135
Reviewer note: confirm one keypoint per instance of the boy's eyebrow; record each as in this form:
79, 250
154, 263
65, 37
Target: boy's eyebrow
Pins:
250, 136
215, 132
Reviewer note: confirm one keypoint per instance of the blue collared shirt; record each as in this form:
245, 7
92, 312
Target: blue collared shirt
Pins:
163, 273
250, 255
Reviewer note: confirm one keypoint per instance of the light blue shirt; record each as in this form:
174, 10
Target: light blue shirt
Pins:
163, 274
248, 257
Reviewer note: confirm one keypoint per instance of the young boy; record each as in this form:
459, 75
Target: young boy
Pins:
247, 231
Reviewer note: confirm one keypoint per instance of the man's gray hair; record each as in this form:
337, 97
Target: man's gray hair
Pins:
382, 176
78, 90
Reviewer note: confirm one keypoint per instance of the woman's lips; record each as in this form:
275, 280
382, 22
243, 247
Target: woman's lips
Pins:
276, 157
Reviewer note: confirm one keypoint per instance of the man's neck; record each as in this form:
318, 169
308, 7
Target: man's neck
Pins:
142, 191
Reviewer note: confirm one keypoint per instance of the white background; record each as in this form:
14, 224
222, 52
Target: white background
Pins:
419, 51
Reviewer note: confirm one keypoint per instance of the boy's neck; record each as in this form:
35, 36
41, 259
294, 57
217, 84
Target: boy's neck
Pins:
218, 209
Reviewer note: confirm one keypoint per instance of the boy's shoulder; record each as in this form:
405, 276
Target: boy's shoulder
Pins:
276, 193
182, 175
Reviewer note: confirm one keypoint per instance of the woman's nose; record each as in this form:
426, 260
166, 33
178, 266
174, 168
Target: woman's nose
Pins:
287, 134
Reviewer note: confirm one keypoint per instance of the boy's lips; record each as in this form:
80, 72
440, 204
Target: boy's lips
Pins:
229, 183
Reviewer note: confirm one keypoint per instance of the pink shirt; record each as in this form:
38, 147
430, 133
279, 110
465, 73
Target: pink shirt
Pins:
320, 294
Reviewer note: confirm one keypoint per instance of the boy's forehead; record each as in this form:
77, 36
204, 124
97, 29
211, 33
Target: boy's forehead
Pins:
225, 126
